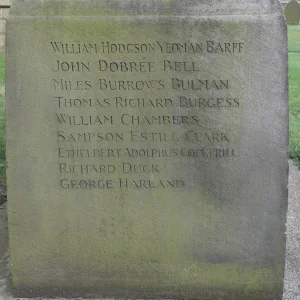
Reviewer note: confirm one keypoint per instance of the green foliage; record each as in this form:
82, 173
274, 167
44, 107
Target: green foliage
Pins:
294, 38
294, 82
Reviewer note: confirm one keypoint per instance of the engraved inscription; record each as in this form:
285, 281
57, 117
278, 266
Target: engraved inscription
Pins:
128, 111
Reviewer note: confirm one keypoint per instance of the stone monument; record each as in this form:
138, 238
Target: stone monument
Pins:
292, 12
147, 148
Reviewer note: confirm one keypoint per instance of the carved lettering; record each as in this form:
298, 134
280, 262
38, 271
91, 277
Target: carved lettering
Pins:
124, 112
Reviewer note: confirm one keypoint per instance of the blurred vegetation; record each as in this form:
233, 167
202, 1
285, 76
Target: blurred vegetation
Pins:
294, 38
294, 82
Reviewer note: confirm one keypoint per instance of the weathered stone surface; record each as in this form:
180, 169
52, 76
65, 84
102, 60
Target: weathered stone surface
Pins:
147, 148
292, 12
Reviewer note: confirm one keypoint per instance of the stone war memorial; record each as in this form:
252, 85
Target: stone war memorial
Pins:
147, 148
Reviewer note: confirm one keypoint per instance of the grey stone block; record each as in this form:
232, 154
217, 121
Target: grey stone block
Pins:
147, 148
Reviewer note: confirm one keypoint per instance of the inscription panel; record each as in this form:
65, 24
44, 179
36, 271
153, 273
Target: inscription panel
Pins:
152, 104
